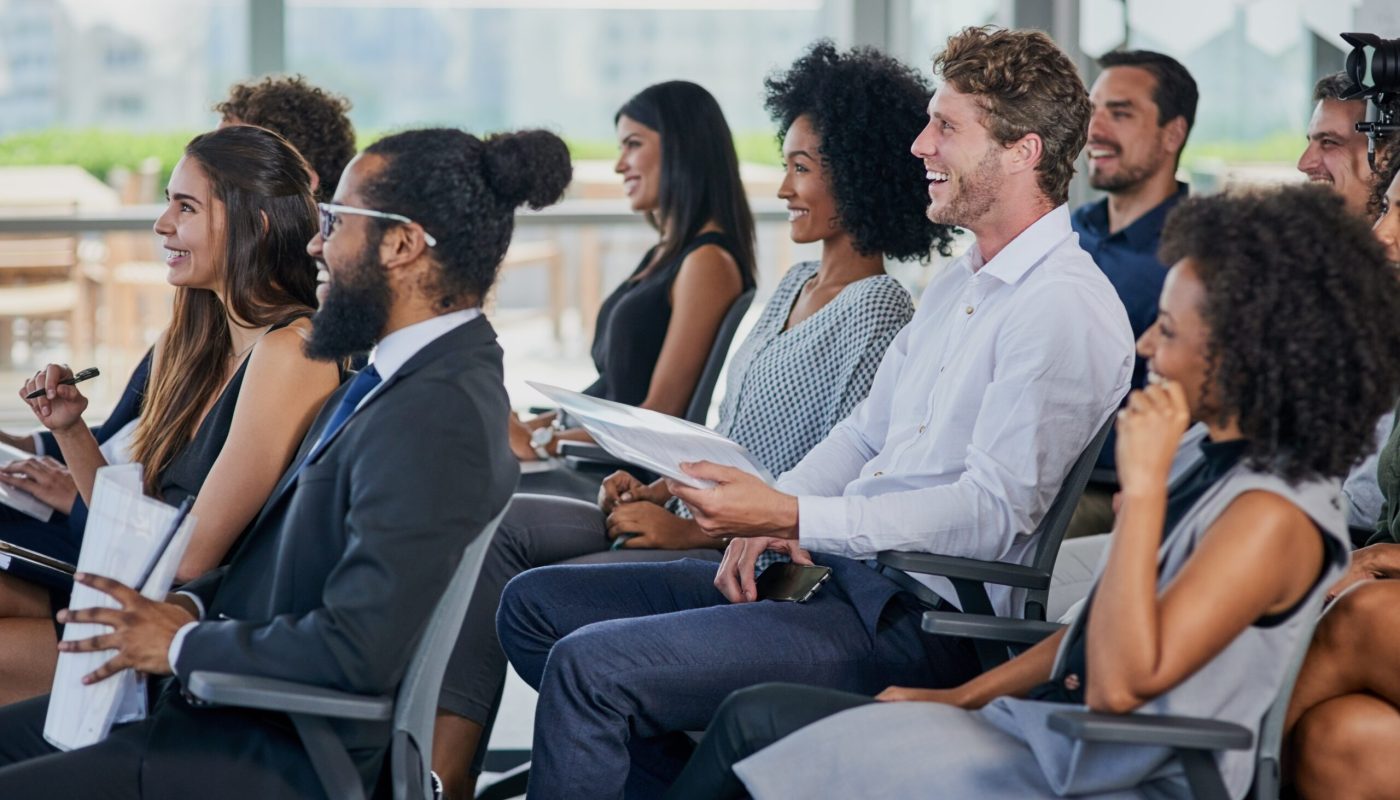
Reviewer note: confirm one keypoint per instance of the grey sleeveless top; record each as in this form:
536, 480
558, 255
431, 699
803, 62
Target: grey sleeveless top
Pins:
1238, 685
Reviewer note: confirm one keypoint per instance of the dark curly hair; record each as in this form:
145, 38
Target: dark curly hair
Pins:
1304, 327
315, 121
464, 192
1387, 167
867, 108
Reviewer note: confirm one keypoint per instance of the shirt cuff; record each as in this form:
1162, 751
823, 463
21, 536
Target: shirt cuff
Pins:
38, 438
198, 604
173, 656
821, 525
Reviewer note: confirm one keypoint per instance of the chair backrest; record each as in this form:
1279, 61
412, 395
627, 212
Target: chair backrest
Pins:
699, 407
1053, 525
415, 707
1268, 773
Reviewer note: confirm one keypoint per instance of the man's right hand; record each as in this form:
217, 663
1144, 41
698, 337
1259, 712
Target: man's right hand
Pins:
622, 487
60, 407
735, 578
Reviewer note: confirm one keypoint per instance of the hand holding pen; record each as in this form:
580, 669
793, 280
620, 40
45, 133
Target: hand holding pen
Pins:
90, 372
54, 399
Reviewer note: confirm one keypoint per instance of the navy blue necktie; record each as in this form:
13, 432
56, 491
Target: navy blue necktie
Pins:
364, 383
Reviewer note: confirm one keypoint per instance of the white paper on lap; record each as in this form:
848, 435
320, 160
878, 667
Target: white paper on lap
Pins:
123, 529
650, 439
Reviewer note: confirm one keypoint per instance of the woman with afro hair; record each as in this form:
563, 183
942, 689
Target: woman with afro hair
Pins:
846, 121
1209, 586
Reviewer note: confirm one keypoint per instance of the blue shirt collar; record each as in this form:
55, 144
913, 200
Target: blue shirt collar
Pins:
1145, 231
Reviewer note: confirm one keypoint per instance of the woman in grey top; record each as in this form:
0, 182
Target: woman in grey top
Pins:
1194, 611
846, 121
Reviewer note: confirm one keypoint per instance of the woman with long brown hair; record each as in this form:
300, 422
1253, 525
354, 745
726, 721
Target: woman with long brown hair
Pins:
231, 391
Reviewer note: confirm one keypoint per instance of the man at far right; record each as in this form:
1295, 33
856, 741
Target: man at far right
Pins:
1336, 152
1144, 107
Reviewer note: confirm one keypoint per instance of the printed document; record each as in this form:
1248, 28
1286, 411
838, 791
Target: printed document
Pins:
650, 439
124, 530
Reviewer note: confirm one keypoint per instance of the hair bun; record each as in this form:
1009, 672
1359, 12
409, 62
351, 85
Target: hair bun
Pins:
527, 167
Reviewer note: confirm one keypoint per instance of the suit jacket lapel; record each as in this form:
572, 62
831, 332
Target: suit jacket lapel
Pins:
471, 334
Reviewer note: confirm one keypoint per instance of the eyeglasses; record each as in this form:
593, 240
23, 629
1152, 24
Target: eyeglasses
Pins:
330, 211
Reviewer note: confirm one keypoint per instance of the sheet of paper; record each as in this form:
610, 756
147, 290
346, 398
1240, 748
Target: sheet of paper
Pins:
19, 500
124, 527
650, 439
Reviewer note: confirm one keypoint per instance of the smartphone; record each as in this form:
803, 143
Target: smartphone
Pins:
794, 583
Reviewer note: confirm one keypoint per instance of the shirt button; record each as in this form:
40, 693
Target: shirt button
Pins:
921, 428
968, 310
878, 474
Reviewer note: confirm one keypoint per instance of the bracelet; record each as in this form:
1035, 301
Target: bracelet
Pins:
542, 450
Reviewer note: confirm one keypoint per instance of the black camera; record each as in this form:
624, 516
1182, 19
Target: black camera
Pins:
1374, 68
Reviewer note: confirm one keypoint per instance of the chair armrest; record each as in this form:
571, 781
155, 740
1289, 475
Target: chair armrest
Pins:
537, 410
995, 572
270, 694
1187, 733
587, 454
1104, 476
588, 450
976, 626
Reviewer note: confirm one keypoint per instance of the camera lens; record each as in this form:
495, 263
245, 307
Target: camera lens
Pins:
1374, 63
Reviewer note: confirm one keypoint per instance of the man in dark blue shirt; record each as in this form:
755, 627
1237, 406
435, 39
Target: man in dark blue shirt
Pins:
1144, 106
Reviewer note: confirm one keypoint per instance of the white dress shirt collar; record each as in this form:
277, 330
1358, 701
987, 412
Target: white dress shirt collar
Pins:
394, 350
1026, 250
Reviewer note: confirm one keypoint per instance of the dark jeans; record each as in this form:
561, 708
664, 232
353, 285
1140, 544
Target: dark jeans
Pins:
628, 656
32, 768
537, 530
750, 720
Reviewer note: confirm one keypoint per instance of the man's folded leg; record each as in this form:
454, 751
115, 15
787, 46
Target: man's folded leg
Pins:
33, 769
640, 675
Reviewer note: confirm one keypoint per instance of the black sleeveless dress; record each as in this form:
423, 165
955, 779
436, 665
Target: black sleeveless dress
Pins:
183, 477
632, 325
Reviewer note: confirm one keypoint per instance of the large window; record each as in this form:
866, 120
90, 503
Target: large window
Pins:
565, 66
142, 65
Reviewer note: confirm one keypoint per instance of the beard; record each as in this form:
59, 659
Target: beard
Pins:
355, 312
1127, 177
976, 193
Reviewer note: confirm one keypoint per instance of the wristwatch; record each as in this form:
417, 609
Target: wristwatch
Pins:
539, 441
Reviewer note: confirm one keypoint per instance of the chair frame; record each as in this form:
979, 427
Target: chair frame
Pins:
971, 576
413, 707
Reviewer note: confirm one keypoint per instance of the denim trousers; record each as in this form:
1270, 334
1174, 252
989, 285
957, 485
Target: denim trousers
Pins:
627, 657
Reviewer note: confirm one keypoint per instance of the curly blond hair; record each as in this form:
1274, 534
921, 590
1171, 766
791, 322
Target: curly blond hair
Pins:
1024, 83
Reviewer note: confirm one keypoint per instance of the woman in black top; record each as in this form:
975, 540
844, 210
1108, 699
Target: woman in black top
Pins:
231, 392
654, 332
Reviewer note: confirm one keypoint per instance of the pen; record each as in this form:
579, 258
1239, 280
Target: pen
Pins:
174, 528
90, 372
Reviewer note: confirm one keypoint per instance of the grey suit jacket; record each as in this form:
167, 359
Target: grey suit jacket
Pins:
336, 578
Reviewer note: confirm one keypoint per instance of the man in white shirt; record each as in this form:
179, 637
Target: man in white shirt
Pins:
1018, 353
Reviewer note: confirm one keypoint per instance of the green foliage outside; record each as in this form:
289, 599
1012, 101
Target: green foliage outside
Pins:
100, 151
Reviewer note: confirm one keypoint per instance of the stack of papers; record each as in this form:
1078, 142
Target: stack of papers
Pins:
125, 530
650, 439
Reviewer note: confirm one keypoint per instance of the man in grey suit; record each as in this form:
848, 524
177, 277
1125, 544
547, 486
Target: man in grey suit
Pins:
404, 466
